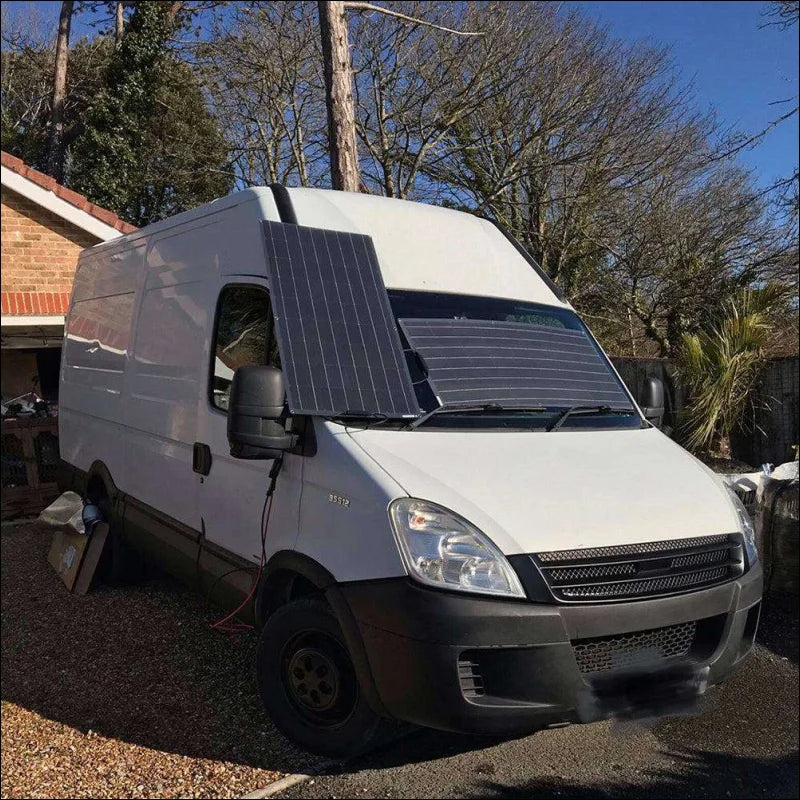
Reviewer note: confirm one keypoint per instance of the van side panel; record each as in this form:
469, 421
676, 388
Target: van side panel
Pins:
135, 365
166, 370
96, 350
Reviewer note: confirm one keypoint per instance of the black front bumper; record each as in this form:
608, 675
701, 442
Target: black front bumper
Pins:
424, 646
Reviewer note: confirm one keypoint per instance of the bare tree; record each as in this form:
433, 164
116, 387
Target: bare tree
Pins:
783, 13
676, 249
263, 73
414, 84
571, 116
27, 83
338, 71
56, 155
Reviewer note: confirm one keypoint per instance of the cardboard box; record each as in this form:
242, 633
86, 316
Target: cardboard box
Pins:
66, 554
75, 556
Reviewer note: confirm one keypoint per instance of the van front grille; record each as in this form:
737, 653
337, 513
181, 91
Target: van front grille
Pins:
640, 648
649, 569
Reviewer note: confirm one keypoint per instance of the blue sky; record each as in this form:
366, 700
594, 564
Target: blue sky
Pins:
734, 64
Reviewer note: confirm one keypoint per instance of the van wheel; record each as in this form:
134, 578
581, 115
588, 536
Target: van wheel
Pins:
308, 684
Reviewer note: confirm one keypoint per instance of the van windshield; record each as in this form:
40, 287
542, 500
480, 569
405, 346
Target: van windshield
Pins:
543, 414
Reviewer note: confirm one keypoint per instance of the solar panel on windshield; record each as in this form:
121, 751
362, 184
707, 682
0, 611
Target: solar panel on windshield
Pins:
512, 364
340, 349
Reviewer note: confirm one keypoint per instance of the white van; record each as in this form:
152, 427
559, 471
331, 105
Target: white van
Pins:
474, 526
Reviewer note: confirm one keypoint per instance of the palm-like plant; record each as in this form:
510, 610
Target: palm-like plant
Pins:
720, 366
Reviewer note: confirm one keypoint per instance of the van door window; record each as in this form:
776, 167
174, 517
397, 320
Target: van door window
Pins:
244, 336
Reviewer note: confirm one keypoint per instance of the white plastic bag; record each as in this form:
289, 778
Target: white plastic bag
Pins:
65, 510
786, 472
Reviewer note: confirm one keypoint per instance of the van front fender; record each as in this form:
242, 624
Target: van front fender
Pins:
293, 562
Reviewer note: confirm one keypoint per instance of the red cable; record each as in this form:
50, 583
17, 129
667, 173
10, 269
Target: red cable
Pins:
222, 625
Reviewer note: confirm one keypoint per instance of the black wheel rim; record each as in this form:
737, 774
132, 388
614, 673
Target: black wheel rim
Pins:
318, 678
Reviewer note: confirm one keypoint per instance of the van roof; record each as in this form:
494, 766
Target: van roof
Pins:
428, 248
419, 246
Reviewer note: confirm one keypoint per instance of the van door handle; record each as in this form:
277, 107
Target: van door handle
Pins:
201, 458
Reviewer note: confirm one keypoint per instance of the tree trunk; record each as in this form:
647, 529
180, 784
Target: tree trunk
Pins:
339, 95
55, 157
119, 22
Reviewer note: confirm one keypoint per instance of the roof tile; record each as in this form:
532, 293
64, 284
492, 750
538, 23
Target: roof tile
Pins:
67, 195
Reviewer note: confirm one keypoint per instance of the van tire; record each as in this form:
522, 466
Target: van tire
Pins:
300, 642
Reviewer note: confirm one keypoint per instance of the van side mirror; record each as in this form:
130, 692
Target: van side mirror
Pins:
652, 401
257, 414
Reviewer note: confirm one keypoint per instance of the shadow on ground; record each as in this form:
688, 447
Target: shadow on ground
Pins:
778, 628
696, 773
139, 664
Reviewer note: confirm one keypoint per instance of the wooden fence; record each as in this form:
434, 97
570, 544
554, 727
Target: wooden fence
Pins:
29, 451
769, 434
773, 432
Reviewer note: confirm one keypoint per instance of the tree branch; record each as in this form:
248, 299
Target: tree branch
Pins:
752, 140
358, 6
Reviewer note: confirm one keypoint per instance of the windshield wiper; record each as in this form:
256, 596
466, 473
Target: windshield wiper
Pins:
494, 407
567, 413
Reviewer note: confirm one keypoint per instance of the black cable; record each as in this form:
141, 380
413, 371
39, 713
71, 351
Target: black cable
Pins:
273, 478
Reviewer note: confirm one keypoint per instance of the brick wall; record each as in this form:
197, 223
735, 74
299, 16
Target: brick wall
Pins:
39, 253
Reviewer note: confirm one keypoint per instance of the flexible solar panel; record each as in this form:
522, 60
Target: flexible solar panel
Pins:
340, 349
516, 365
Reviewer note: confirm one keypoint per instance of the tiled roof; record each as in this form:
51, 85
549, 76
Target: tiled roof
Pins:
67, 195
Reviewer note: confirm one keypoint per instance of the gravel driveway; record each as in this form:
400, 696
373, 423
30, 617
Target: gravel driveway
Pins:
124, 692
127, 692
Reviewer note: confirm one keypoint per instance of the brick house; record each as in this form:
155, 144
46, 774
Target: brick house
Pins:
44, 228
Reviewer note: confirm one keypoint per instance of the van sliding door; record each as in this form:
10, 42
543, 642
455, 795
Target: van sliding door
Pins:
163, 381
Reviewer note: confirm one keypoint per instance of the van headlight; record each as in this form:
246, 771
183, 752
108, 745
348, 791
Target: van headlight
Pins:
441, 549
745, 527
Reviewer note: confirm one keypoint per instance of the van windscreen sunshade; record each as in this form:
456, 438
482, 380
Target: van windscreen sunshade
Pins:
512, 364
339, 344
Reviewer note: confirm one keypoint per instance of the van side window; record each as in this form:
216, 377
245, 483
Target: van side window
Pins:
244, 335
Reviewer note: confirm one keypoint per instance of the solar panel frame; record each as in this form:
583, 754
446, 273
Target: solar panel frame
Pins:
472, 362
340, 348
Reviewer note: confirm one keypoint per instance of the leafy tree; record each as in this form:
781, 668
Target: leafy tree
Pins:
182, 158
26, 94
150, 146
139, 135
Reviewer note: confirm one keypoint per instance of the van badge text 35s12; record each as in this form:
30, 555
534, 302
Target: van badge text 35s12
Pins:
339, 500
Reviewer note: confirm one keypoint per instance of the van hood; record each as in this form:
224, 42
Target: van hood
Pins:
537, 491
